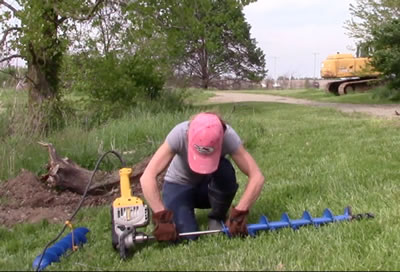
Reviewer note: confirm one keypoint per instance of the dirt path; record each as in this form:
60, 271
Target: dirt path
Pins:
385, 111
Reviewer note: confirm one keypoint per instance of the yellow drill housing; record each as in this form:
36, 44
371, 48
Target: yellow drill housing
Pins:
126, 199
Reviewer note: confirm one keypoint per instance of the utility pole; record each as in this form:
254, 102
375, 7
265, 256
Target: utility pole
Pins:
275, 68
315, 62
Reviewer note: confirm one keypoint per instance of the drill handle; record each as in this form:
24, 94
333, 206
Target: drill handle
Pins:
125, 183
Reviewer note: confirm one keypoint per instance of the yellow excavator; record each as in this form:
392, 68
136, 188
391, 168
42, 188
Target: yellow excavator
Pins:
349, 73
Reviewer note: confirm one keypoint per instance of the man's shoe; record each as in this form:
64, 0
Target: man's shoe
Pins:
214, 224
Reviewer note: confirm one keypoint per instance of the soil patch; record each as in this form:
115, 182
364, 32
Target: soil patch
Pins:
29, 199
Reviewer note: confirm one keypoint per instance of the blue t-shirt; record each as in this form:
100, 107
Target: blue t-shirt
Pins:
179, 170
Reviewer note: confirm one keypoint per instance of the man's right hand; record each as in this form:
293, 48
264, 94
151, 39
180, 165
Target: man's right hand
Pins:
165, 229
237, 222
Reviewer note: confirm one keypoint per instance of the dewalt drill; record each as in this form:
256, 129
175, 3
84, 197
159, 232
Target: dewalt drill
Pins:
127, 214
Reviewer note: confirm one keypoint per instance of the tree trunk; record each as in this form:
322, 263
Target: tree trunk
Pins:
40, 89
205, 77
44, 53
204, 83
41, 94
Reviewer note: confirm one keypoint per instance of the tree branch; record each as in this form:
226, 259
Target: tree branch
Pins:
6, 32
4, 3
79, 18
61, 20
31, 81
11, 57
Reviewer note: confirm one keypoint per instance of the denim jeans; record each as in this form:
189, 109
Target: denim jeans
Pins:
183, 199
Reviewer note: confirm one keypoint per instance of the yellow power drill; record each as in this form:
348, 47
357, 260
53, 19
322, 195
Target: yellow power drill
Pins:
127, 213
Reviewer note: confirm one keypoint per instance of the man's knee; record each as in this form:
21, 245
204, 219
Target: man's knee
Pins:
179, 199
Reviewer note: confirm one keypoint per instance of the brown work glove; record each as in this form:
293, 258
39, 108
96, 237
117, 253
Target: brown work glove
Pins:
165, 229
237, 222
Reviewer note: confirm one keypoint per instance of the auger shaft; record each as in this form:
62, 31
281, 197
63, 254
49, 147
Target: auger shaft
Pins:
264, 224
141, 237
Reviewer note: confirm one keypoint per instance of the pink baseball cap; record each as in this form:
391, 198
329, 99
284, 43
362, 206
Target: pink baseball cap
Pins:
205, 143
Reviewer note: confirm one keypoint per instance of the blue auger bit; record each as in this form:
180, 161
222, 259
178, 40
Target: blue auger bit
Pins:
306, 219
53, 254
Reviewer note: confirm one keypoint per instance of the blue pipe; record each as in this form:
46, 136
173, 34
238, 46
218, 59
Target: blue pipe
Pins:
285, 222
54, 253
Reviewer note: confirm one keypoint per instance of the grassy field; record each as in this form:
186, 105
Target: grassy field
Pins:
320, 95
312, 158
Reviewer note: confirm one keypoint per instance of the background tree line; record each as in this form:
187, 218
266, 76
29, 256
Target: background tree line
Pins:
376, 24
122, 52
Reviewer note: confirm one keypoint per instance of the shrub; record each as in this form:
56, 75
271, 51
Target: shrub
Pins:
386, 92
113, 79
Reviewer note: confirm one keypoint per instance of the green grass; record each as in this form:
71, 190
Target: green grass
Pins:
198, 96
139, 132
8, 96
321, 95
312, 158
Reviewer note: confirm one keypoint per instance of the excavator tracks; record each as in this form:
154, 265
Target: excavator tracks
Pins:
342, 87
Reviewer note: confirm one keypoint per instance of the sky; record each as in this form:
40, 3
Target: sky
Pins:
297, 35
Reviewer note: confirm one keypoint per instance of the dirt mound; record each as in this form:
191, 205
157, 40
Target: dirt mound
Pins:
28, 199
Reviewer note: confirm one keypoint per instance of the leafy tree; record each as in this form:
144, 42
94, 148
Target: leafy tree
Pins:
375, 24
368, 15
119, 80
36, 31
103, 34
386, 42
209, 38
123, 60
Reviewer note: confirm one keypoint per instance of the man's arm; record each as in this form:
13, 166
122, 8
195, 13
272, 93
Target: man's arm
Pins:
248, 166
148, 181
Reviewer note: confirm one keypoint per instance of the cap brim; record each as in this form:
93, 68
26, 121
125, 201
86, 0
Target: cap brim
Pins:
203, 164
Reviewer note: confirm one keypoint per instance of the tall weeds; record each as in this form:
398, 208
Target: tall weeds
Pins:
82, 129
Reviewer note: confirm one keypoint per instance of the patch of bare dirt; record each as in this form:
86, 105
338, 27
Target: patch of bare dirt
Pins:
27, 199
391, 111
56, 195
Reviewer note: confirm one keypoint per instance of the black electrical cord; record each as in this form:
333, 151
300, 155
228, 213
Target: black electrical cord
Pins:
81, 201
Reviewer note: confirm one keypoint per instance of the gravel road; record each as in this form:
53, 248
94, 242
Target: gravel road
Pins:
385, 111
